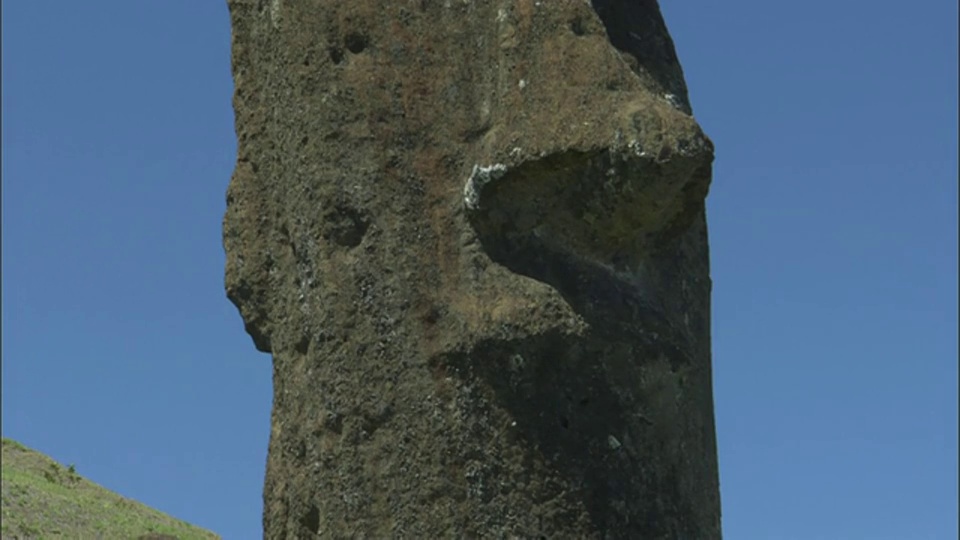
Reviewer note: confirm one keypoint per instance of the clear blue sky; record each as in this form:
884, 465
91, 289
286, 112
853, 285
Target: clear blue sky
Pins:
833, 223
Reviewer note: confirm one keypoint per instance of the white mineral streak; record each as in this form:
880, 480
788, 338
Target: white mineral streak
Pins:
275, 13
674, 101
480, 177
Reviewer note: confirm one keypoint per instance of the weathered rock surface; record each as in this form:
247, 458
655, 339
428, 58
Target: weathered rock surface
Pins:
472, 236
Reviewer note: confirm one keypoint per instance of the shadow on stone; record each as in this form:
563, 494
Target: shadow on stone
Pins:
587, 404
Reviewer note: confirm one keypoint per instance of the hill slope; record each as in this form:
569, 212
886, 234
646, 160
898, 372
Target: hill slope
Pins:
43, 499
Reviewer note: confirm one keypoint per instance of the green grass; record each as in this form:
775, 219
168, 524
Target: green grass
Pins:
43, 499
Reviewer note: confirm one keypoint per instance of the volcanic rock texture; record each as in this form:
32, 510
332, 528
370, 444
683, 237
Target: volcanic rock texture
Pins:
471, 235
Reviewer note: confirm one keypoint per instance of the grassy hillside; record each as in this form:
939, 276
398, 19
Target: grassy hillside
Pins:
44, 499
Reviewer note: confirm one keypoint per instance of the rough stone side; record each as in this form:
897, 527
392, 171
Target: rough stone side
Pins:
472, 236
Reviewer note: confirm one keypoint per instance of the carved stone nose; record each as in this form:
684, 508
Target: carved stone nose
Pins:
598, 203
